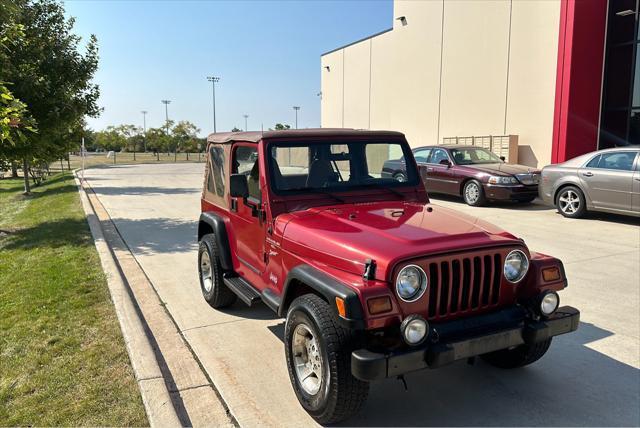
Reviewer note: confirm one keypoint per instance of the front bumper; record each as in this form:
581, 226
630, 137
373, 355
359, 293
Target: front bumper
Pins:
461, 339
518, 192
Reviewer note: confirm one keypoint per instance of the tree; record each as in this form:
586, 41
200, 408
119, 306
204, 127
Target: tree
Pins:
236, 129
51, 76
184, 135
281, 127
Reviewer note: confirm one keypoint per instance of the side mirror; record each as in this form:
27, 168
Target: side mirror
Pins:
238, 186
445, 162
502, 158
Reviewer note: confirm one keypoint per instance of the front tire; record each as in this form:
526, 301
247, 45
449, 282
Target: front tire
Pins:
571, 202
210, 271
473, 193
318, 351
519, 356
400, 177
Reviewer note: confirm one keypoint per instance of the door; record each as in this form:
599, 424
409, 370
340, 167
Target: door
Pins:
440, 177
635, 188
247, 222
608, 180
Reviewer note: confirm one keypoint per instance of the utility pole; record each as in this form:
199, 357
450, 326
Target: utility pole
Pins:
144, 130
296, 108
245, 121
213, 81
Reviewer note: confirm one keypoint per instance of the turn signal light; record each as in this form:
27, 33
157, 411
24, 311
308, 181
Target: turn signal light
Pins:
551, 274
341, 308
379, 305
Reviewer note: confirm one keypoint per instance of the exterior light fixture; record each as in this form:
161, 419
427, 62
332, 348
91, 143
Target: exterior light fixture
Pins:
403, 20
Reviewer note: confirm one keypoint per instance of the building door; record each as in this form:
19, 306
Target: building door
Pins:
620, 116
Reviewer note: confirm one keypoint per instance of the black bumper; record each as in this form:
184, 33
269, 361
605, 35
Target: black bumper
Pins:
511, 193
462, 339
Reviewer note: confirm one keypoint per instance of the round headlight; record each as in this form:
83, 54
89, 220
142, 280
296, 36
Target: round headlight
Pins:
516, 266
411, 283
549, 303
414, 329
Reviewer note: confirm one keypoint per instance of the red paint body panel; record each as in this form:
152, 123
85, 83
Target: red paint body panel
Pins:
578, 78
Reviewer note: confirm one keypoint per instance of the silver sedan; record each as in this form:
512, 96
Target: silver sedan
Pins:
606, 180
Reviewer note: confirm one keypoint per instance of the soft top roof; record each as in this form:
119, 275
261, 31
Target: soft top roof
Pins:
255, 136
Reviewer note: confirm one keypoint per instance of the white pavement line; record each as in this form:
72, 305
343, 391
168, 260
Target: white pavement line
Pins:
155, 395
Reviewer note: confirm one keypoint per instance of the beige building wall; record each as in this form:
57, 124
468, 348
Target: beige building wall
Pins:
457, 68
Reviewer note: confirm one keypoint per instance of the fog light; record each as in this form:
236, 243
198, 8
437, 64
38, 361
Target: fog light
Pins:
549, 303
414, 329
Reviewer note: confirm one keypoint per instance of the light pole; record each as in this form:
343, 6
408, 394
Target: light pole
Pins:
166, 114
144, 130
296, 108
245, 121
213, 81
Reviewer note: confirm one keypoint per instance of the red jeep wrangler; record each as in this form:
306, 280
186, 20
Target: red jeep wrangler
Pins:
373, 279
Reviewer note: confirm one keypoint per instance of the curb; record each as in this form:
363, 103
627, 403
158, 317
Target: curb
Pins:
175, 389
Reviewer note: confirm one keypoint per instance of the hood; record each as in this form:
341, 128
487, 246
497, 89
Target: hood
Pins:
345, 236
502, 168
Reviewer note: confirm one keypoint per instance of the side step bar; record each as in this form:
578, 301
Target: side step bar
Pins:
242, 289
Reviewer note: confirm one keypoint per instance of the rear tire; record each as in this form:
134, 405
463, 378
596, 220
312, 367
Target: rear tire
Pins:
210, 271
519, 356
473, 193
318, 349
570, 202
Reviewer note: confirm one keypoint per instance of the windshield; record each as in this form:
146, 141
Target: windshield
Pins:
334, 167
473, 156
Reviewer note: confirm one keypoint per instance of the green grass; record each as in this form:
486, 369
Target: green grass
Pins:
62, 357
126, 158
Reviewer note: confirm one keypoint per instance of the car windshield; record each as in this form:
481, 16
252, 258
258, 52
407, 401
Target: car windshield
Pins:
473, 156
337, 166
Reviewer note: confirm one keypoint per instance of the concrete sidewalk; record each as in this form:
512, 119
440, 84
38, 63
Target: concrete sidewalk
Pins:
175, 390
588, 378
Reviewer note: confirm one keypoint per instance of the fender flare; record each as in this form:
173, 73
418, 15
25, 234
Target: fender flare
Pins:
327, 287
216, 223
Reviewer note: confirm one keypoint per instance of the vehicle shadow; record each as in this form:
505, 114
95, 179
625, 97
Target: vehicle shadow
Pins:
572, 385
610, 218
143, 191
157, 235
536, 205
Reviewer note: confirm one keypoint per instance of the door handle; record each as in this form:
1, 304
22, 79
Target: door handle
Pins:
588, 174
429, 169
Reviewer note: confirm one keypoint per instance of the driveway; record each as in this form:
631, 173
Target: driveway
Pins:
588, 378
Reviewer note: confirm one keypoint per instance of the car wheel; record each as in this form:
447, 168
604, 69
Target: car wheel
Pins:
473, 194
400, 177
318, 351
519, 356
570, 202
212, 285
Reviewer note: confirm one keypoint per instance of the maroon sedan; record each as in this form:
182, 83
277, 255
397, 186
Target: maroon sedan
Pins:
474, 173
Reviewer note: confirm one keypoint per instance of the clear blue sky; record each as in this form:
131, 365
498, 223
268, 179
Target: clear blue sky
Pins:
267, 54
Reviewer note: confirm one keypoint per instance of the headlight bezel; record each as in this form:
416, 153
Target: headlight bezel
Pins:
526, 270
503, 180
424, 283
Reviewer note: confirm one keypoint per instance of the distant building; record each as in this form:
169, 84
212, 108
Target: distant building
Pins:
559, 74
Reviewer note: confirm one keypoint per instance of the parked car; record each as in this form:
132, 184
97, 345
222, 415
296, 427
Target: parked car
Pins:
373, 280
606, 180
474, 173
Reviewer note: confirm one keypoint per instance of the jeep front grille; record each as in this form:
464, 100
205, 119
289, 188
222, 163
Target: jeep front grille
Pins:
463, 284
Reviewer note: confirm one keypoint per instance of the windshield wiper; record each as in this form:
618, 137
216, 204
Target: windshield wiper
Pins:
319, 191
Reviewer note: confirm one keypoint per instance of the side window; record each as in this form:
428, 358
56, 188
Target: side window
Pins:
620, 161
422, 155
245, 161
437, 155
217, 176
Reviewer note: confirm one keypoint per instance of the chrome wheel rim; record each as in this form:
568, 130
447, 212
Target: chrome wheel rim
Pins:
472, 193
307, 359
569, 202
205, 271
401, 178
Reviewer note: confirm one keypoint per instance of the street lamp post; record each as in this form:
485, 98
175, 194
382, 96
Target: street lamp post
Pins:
166, 114
144, 130
213, 81
296, 108
245, 121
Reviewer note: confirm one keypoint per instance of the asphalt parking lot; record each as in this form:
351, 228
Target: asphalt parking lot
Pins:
588, 378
